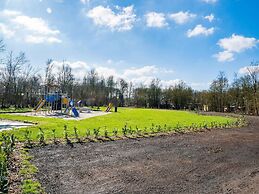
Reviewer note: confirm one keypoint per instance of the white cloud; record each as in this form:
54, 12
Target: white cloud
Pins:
209, 1
29, 29
182, 17
141, 75
41, 39
156, 20
79, 68
123, 20
36, 25
234, 44
49, 10
210, 17
142, 71
224, 56
200, 30
8, 33
249, 69
237, 43
170, 83
84, 1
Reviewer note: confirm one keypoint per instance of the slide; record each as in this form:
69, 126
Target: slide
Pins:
75, 112
36, 107
40, 105
67, 110
109, 107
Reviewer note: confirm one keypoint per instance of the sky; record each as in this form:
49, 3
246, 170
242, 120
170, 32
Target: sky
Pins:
138, 40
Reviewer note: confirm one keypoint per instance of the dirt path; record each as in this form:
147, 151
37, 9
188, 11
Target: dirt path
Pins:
218, 161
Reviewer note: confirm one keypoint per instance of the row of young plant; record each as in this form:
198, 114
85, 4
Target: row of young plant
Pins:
7, 145
103, 134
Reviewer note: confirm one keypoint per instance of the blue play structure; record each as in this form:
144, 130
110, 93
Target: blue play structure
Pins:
56, 101
75, 112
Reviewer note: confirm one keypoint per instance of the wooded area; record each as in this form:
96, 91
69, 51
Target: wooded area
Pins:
22, 86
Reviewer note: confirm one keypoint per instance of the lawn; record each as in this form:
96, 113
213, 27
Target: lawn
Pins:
132, 117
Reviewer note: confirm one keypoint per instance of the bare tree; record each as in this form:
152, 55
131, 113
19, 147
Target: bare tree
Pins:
253, 71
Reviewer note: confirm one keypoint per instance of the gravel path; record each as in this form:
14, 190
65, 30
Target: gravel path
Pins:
217, 161
8, 125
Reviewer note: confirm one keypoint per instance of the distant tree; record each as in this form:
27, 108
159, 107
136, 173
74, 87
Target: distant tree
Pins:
65, 79
123, 87
10, 75
253, 72
154, 93
49, 77
218, 90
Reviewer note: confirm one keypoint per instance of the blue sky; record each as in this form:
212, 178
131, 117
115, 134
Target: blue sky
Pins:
190, 40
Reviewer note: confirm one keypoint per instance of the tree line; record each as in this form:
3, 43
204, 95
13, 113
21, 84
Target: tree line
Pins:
21, 85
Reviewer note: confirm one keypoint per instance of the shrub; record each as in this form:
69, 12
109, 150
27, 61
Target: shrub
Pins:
54, 136
115, 132
76, 134
88, 133
96, 132
27, 137
41, 136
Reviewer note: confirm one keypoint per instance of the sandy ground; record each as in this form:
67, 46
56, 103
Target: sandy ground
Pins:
82, 115
7, 125
216, 161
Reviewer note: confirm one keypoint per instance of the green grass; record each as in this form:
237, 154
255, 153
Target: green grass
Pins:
14, 110
132, 117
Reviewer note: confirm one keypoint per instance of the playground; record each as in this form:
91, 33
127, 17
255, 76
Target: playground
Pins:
57, 105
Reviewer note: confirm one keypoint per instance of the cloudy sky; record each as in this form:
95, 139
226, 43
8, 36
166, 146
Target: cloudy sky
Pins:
190, 40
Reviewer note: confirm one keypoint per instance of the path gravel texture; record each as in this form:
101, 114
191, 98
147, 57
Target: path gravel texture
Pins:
216, 161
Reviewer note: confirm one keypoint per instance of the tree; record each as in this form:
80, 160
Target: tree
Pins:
218, 90
49, 77
123, 87
253, 72
154, 93
65, 79
12, 69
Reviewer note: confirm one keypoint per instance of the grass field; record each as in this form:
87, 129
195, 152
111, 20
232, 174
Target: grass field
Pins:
141, 118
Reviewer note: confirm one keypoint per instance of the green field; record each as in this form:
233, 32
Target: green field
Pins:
132, 117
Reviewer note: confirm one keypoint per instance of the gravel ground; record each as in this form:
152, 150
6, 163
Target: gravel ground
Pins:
82, 115
216, 161
8, 125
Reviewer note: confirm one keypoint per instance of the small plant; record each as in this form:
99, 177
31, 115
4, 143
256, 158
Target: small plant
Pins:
145, 130
130, 131
106, 135
165, 128
27, 137
96, 132
159, 128
66, 135
152, 128
138, 131
125, 130
178, 127
41, 136
115, 132
54, 136
76, 134
88, 133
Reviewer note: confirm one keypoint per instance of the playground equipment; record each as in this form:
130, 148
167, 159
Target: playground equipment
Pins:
109, 107
55, 102
39, 105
